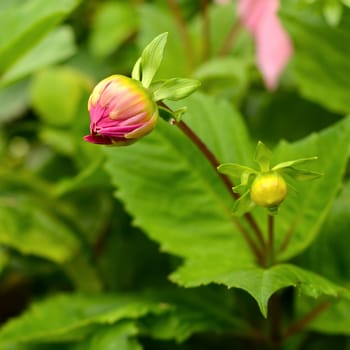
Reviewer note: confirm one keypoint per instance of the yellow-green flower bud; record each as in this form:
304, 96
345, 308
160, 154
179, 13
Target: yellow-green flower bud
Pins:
268, 190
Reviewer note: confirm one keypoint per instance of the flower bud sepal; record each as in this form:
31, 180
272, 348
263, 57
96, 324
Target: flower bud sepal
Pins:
266, 187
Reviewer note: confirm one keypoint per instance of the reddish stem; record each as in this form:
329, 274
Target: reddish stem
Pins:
300, 325
228, 184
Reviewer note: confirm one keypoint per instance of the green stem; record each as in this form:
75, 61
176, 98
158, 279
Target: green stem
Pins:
270, 238
287, 238
183, 32
228, 184
205, 29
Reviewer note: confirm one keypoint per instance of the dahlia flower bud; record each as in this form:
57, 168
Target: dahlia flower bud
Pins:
268, 190
121, 111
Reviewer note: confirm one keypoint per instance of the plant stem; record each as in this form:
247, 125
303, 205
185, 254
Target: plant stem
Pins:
306, 319
205, 29
270, 238
275, 320
230, 39
183, 32
208, 154
228, 184
287, 238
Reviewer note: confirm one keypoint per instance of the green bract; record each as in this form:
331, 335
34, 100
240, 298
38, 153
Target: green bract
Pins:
147, 66
266, 187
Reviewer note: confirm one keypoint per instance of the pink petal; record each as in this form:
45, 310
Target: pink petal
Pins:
274, 47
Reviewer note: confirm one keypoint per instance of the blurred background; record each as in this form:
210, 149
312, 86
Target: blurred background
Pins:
61, 228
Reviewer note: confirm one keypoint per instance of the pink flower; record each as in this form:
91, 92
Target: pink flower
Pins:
121, 111
273, 44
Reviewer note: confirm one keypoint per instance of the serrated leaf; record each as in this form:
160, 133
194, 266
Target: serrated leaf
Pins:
293, 162
263, 157
151, 58
97, 321
72, 317
258, 282
196, 227
174, 223
175, 88
302, 215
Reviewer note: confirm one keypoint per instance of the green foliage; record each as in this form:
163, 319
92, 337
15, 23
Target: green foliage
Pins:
104, 321
55, 47
320, 55
305, 216
137, 247
260, 283
114, 23
23, 26
151, 58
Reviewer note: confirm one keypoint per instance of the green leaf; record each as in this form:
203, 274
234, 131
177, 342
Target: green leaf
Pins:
259, 283
334, 320
114, 22
263, 157
201, 230
14, 100
136, 71
235, 170
55, 47
155, 20
301, 174
328, 255
224, 76
151, 58
56, 94
175, 88
292, 163
332, 10
320, 63
302, 215
72, 317
346, 2
223, 67
120, 336
24, 25
32, 229
98, 321
244, 204
186, 228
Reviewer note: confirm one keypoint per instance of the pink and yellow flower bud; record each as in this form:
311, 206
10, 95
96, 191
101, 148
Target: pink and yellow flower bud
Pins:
268, 190
121, 111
